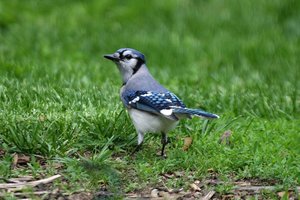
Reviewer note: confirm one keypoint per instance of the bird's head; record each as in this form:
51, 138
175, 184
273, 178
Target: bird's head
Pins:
128, 61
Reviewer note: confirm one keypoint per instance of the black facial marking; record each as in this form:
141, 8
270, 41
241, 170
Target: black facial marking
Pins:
121, 53
128, 56
137, 55
138, 65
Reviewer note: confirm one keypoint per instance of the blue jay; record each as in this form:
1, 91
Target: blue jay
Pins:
151, 107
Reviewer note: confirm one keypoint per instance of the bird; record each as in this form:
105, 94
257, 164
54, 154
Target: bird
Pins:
151, 107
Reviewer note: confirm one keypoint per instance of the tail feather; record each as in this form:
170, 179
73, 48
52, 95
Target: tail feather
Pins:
195, 112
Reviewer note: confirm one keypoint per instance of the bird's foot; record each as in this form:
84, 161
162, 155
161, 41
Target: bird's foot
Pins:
163, 156
137, 148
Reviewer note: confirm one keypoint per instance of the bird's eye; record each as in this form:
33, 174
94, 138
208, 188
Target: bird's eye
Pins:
128, 56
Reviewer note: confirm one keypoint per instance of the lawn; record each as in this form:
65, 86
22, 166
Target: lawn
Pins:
60, 111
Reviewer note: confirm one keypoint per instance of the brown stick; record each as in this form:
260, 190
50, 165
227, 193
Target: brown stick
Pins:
20, 179
31, 183
209, 195
28, 193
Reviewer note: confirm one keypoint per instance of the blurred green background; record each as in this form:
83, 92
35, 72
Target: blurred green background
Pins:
239, 59
218, 46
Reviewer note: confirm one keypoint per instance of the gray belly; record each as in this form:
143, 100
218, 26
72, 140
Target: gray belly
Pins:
146, 122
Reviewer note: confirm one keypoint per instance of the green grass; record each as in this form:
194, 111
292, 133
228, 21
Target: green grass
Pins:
59, 97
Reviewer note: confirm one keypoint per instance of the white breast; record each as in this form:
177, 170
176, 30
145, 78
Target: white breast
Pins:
146, 122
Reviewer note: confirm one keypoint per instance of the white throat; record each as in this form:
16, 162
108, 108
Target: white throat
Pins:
125, 73
126, 69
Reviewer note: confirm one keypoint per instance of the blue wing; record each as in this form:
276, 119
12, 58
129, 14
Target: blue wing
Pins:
153, 102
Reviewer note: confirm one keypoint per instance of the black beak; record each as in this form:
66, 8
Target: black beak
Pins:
112, 57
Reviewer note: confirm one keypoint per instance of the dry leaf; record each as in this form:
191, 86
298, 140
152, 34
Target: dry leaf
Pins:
23, 159
168, 175
163, 194
187, 143
14, 161
195, 187
154, 193
282, 194
210, 170
19, 159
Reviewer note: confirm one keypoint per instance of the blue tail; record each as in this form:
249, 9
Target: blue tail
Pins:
196, 112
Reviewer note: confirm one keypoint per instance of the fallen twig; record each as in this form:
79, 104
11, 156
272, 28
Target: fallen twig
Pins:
209, 195
20, 179
28, 193
21, 185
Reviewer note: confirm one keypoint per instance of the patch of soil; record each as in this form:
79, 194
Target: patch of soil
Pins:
206, 189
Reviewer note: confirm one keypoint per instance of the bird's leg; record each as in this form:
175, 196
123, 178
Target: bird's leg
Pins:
164, 142
140, 142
